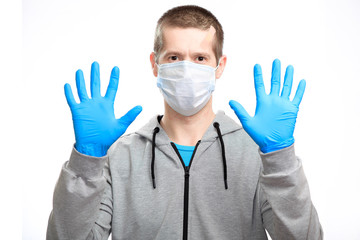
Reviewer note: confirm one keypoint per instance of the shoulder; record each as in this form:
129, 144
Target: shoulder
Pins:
241, 138
127, 141
240, 142
242, 150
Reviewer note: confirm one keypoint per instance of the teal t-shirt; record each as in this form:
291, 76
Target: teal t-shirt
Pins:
185, 153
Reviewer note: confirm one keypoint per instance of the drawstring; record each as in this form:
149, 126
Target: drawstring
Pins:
217, 126
156, 130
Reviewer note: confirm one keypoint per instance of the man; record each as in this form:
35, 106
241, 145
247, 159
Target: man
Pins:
189, 173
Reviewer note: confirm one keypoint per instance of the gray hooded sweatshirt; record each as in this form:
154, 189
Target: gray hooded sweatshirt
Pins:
142, 190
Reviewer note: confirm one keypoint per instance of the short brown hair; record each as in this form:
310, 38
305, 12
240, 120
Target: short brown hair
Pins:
189, 16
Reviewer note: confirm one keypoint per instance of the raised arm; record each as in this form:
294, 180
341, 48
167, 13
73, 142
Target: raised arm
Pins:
287, 209
82, 203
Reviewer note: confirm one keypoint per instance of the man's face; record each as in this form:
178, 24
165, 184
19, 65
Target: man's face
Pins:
190, 44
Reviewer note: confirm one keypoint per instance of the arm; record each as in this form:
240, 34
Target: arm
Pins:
287, 209
288, 212
82, 204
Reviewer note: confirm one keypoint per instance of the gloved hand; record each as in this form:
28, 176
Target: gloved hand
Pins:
95, 125
273, 124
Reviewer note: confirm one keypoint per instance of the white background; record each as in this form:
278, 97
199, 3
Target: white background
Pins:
319, 38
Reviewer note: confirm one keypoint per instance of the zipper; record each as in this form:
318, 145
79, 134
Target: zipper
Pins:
186, 188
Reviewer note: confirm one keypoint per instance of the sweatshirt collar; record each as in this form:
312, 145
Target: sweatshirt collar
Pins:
227, 125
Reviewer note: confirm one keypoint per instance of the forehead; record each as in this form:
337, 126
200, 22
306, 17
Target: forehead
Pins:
188, 39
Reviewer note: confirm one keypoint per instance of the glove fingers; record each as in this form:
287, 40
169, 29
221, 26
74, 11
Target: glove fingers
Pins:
288, 82
275, 77
69, 95
95, 80
80, 84
130, 116
258, 81
299, 93
240, 111
113, 84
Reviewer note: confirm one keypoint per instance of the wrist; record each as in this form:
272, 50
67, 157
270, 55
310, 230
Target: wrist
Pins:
85, 166
280, 162
277, 146
91, 149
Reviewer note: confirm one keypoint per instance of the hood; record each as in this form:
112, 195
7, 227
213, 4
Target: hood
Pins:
226, 124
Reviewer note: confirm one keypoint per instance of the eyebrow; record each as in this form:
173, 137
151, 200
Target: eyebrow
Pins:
177, 53
205, 54
173, 53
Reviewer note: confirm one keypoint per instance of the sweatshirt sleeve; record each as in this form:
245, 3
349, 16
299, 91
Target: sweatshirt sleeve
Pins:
82, 202
287, 210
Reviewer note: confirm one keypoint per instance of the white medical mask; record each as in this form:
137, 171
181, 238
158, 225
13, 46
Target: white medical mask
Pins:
186, 86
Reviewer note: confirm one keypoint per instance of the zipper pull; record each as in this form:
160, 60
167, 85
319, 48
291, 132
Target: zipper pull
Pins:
187, 172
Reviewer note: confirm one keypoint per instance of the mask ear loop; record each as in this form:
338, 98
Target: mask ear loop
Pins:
217, 68
218, 64
158, 67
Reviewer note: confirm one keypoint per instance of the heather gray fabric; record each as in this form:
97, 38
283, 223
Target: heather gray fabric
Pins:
96, 196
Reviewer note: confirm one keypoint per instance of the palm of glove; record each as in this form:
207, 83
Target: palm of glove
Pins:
273, 124
95, 125
94, 122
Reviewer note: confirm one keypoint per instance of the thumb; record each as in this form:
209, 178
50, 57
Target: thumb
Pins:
240, 111
130, 116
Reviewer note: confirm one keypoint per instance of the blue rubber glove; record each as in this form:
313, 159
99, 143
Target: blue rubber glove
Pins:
95, 125
272, 126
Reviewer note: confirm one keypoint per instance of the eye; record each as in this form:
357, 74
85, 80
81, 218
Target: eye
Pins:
200, 59
173, 58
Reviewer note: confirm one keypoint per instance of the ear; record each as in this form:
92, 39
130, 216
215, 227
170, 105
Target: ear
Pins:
221, 67
153, 65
